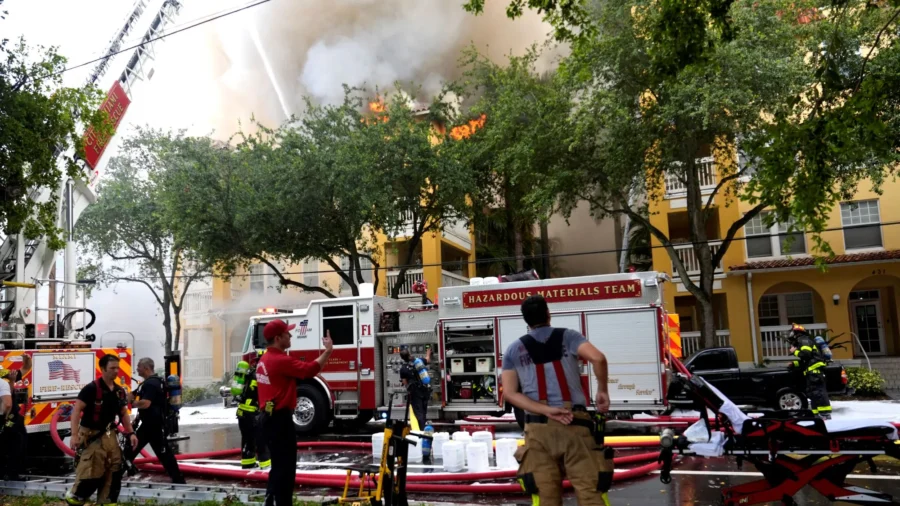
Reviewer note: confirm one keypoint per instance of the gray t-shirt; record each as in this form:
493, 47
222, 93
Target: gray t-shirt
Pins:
517, 358
4, 388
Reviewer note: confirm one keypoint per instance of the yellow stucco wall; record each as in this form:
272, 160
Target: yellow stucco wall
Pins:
839, 279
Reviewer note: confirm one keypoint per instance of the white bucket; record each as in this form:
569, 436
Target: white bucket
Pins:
454, 456
415, 452
506, 449
462, 436
437, 445
485, 438
377, 445
477, 457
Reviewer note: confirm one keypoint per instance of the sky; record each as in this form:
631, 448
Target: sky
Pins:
259, 63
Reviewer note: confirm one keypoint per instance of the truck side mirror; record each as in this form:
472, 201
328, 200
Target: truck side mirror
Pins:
691, 367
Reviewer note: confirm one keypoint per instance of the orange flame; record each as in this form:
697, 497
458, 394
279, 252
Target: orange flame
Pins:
466, 131
376, 106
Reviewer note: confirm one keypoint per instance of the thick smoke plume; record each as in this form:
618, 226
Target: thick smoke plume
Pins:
314, 48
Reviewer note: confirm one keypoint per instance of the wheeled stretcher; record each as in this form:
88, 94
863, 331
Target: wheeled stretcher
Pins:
791, 449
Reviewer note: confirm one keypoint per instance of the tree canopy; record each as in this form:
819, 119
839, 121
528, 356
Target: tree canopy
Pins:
41, 137
128, 235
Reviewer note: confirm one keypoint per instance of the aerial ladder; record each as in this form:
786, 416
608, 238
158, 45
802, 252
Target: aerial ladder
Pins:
25, 264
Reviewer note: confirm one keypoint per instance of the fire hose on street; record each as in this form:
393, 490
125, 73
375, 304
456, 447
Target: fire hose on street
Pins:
423, 483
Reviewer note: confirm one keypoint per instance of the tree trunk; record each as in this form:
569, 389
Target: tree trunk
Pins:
545, 250
519, 249
510, 224
413, 243
167, 324
697, 218
707, 323
177, 335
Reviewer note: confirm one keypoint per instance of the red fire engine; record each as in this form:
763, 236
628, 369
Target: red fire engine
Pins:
622, 314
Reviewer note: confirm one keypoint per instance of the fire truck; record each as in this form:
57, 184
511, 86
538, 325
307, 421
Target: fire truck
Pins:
53, 372
469, 329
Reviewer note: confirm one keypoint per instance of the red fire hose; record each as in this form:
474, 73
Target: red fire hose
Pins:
430, 483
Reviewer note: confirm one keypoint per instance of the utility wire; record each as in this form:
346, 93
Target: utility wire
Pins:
160, 37
527, 257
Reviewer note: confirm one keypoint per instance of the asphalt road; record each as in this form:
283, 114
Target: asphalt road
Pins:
695, 480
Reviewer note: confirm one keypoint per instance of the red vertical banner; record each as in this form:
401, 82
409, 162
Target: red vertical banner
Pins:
115, 105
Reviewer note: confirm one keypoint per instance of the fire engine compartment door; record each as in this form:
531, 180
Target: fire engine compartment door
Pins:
61, 375
341, 321
630, 341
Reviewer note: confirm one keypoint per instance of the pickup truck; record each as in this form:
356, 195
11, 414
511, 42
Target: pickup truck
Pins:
776, 386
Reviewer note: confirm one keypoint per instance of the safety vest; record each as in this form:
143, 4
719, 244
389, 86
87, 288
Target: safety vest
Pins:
249, 397
548, 352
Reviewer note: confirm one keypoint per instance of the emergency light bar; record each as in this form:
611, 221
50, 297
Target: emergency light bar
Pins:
273, 310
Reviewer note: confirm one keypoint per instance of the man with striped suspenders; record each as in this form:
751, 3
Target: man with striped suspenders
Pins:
542, 375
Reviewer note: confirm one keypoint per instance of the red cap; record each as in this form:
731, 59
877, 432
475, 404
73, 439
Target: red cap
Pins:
275, 328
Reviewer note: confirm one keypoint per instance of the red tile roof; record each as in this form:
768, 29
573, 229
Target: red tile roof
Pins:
810, 261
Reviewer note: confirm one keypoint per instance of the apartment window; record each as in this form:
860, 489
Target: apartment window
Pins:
862, 224
311, 272
777, 240
197, 302
257, 278
785, 309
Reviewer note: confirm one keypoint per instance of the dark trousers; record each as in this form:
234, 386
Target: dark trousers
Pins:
418, 399
282, 439
817, 392
153, 434
253, 441
12, 449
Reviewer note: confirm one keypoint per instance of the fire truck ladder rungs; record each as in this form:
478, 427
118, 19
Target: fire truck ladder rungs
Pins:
57, 486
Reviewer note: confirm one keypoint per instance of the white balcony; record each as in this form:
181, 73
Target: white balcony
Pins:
692, 342
675, 188
689, 259
458, 233
413, 275
773, 339
234, 359
198, 372
453, 279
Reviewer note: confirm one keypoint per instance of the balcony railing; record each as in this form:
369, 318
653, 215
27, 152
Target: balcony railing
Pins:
412, 275
774, 344
234, 359
453, 279
447, 279
691, 342
706, 172
689, 259
198, 371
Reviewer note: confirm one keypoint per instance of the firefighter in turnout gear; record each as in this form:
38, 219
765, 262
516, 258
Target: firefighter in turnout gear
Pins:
253, 441
418, 391
99, 458
152, 404
12, 428
812, 363
542, 376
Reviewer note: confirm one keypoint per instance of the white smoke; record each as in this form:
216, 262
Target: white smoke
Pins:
314, 48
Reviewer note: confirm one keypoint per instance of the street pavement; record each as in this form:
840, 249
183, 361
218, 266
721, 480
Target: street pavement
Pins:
694, 481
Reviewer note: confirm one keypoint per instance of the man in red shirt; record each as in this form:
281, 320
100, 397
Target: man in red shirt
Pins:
277, 374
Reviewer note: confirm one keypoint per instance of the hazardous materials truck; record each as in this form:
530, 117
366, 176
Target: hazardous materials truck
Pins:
470, 327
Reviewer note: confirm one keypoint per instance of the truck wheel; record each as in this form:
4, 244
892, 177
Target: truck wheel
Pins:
520, 417
789, 399
311, 414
